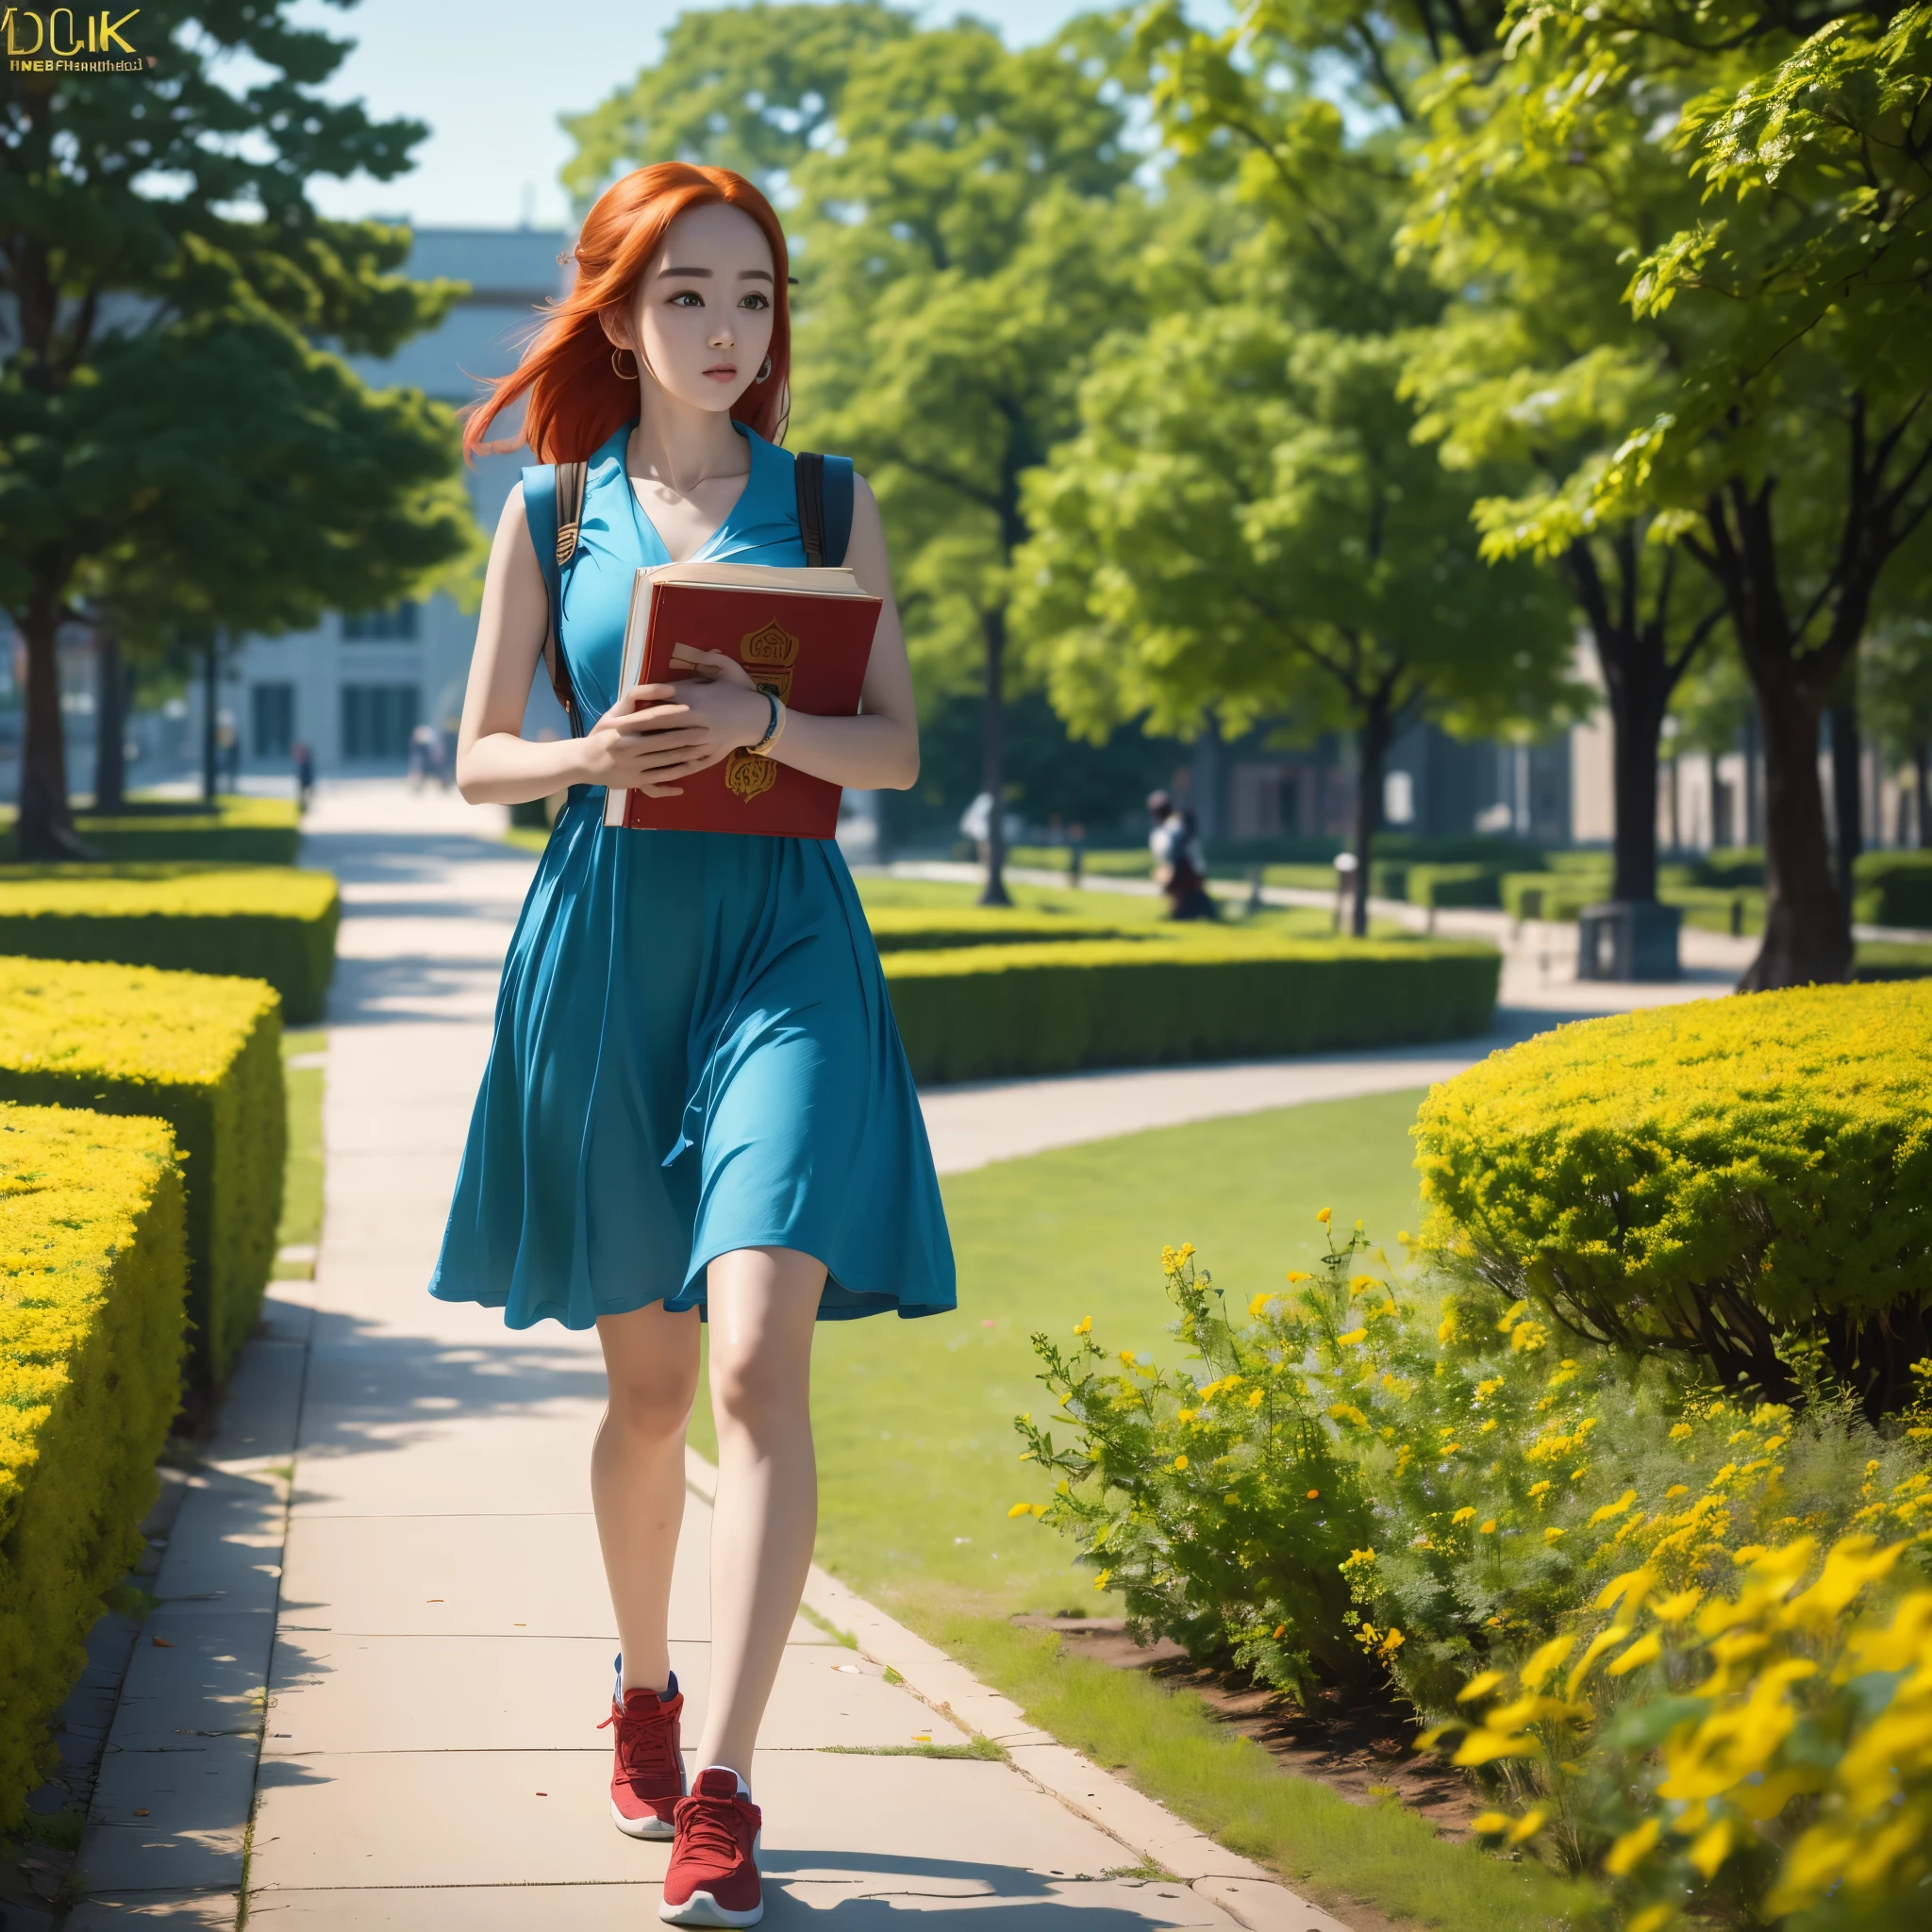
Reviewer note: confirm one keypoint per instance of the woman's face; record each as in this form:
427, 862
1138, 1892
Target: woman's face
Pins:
702, 320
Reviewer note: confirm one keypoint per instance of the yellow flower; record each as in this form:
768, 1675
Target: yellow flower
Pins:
1552, 1534
1646, 1650
1539, 1488
1466, 1514
1180, 1463
1019, 1509
1490, 1824
1354, 1336
1651, 1918
1084, 1325
1680, 1432
1127, 1357
1323, 1216
1713, 1846
1528, 1825
1611, 1510
1546, 1658
1676, 1490
1297, 1275
1630, 1850
1480, 1685
1230, 1498
1100, 1581
1488, 1528
1255, 1398
1258, 1306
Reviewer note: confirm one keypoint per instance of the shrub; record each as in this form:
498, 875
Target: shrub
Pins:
1454, 885
204, 1054
973, 1013
1894, 889
1755, 1754
276, 924
235, 831
1707, 1177
896, 930
91, 1271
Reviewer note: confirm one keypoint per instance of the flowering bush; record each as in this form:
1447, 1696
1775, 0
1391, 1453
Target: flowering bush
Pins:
1361, 1473
1763, 1758
1369, 1475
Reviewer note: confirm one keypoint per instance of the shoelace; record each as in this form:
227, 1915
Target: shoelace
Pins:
643, 1749
711, 1826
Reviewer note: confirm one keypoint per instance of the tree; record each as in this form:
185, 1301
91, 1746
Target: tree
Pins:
1897, 698
968, 240
1785, 442
1246, 521
174, 444
750, 87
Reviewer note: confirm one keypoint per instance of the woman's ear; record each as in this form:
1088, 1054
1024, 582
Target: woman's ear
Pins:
617, 328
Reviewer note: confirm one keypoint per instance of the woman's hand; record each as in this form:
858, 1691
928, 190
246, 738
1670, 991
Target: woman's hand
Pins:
656, 734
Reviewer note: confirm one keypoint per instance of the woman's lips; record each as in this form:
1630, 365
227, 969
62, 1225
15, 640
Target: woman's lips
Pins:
724, 371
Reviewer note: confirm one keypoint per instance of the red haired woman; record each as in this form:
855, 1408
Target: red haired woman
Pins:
696, 1104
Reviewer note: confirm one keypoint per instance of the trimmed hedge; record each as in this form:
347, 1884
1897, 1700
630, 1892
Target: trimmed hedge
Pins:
1454, 885
232, 831
259, 922
906, 930
994, 1010
93, 1265
1711, 1177
203, 1054
1894, 889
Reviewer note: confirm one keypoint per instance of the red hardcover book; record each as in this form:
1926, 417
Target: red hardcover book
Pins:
803, 635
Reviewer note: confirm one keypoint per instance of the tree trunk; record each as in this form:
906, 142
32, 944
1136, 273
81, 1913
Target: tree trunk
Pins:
111, 722
1373, 741
1637, 715
1752, 831
45, 826
1847, 791
210, 673
1921, 794
992, 757
1808, 933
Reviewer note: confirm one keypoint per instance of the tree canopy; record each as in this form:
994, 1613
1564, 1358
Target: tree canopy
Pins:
179, 437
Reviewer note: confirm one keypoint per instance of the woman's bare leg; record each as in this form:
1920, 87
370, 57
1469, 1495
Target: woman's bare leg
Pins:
763, 1309
637, 1476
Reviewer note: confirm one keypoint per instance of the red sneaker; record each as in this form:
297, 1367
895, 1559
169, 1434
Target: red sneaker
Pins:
713, 1878
647, 1781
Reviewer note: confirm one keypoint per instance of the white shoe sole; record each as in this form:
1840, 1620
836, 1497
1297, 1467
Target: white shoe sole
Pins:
701, 1908
650, 1826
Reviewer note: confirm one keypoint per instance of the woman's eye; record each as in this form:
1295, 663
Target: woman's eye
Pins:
687, 298
754, 300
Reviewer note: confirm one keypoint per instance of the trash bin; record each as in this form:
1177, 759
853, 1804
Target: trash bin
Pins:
1628, 939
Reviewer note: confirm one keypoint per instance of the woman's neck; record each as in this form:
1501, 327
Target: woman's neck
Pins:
680, 447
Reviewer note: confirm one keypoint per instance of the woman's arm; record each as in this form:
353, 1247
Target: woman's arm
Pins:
632, 745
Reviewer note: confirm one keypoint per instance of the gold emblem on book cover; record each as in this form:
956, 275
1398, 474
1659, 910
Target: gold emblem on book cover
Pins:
770, 647
747, 774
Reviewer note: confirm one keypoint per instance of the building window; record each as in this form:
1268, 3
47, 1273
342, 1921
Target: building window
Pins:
396, 626
377, 720
272, 708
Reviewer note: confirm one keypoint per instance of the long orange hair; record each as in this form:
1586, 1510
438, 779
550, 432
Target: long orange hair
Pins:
574, 400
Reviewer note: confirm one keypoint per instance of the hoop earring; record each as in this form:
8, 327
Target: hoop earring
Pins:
764, 373
619, 372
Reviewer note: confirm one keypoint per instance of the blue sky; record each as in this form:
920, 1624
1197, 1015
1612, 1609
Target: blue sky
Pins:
491, 78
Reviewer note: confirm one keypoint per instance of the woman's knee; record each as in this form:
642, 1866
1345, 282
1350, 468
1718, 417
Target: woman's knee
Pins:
652, 1400
757, 1386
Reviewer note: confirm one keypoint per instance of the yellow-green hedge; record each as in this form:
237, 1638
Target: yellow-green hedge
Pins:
896, 929
257, 922
203, 1054
232, 831
91, 1271
1710, 1177
989, 1011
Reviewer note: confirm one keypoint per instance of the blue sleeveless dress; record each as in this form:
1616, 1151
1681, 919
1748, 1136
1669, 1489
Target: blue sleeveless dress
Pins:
694, 1050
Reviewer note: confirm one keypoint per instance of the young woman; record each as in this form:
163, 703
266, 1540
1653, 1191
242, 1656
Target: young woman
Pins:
696, 1104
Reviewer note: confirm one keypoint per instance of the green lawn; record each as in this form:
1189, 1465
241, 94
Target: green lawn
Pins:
302, 1172
918, 1462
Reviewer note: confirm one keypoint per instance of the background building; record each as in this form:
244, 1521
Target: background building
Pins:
356, 688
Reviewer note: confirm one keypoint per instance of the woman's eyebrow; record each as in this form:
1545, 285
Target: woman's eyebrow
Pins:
704, 272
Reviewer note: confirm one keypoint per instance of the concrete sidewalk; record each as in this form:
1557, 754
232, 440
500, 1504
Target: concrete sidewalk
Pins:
369, 1694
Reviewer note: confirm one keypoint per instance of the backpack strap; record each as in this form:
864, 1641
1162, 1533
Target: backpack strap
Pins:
554, 513
824, 507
